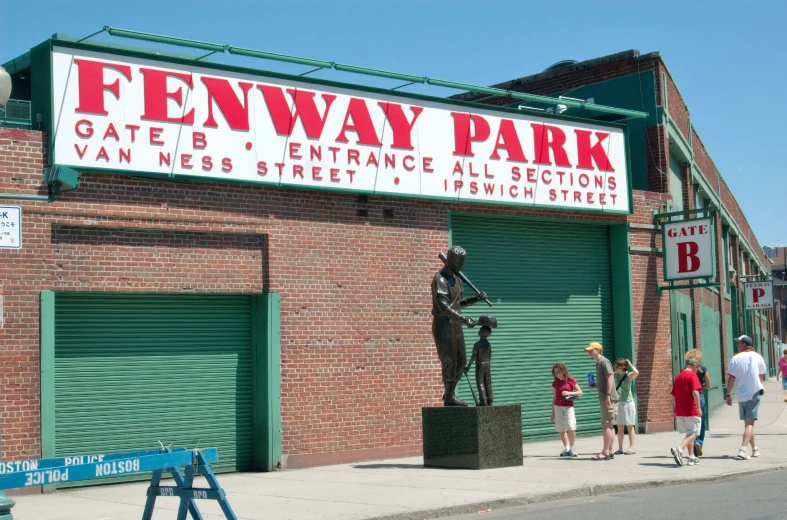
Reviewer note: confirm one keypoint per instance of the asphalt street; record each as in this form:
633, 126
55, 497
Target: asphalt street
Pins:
758, 497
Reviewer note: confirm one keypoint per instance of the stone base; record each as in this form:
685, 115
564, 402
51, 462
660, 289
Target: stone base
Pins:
480, 437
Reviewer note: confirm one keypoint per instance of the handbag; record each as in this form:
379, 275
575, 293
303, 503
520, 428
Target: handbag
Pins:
621, 382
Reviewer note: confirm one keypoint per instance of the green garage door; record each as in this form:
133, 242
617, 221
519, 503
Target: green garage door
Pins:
710, 330
551, 289
135, 369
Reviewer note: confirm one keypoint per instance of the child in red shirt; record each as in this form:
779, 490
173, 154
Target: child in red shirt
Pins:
686, 391
565, 390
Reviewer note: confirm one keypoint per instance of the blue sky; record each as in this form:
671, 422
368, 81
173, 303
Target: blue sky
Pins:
727, 57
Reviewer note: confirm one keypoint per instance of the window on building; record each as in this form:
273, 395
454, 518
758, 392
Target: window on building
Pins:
725, 237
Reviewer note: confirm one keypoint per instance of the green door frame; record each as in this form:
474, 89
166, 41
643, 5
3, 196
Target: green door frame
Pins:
266, 370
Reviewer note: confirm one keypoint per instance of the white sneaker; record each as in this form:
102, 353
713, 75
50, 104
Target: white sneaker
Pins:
743, 455
755, 452
692, 461
573, 452
677, 455
565, 452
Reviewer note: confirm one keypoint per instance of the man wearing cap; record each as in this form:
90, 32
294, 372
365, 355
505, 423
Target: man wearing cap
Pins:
745, 374
607, 397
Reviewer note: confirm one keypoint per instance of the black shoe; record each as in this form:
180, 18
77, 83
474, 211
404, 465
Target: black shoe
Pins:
452, 400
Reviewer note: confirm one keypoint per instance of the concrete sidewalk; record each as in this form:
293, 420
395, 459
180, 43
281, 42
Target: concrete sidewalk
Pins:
404, 489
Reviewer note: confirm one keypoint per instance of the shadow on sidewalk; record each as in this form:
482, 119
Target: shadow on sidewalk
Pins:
392, 466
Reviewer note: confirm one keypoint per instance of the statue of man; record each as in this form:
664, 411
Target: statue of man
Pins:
447, 323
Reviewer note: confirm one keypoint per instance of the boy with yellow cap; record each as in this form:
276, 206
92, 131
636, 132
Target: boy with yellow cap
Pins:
607, 398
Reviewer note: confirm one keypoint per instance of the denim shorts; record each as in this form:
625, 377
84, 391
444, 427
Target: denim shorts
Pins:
749, 409
784, 382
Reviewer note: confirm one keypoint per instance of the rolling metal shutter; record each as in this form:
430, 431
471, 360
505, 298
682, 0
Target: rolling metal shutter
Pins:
551, 286
135, 369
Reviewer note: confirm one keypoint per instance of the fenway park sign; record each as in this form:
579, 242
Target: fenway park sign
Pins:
130, 114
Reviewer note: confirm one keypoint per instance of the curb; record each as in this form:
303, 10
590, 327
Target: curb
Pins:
585, 491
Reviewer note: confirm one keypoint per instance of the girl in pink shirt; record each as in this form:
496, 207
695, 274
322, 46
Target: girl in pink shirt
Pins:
783, 373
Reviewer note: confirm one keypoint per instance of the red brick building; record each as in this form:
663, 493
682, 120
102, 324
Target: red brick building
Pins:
291, 326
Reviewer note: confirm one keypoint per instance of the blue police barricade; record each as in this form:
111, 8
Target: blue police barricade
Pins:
43, 472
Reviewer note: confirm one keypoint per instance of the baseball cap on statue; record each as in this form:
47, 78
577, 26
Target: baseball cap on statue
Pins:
593, 346
744, 339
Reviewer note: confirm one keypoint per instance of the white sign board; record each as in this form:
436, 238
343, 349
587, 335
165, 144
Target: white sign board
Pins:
759, 295
131, 114
10, 227
688, 249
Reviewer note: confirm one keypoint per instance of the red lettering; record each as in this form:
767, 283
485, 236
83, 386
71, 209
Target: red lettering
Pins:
390, 160
316, 173
362, 124
157, 95
81, 153
353, 155
92, 86
305, 108
688, 261
427, 162
280, 166
545, 138
473, 188
88, 132
508, 139
532, 175
411, 166
294, 148
199, 141
464, 136
611, 183
516, 174
545, 179
529, 192
262, 168
207, 163
602, 199
235, 112
577, 196
372, 160
590, 198
402, 128
124, 155
315, 152
458, 185
512, 190
155, 133
599, 181
226, 165
584, 180
472, 173
185, 161
587, 154
458, 168
133, 129
164, 159
489, 188
335, 175
102, 154
334, 150
351, 173
297, 171
756, 294
552, 195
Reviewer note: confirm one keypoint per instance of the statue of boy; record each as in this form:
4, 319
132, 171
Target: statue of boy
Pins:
447, 322
482, 356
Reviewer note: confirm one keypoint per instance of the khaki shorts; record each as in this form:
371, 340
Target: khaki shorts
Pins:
689, 425
565, 420
609, 415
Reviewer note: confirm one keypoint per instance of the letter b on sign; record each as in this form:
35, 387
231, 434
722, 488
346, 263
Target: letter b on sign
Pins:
688, 261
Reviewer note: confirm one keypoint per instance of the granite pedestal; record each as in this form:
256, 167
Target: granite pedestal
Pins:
480, 437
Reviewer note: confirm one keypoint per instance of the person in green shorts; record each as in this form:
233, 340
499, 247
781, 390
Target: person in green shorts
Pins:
627, 410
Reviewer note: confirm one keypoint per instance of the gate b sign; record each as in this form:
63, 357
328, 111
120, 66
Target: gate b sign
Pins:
759, 295
688, 249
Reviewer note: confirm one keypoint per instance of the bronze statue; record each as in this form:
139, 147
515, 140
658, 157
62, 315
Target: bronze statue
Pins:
482, 356
447, 303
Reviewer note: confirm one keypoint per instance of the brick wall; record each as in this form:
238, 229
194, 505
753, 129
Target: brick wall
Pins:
358, 360
652, 332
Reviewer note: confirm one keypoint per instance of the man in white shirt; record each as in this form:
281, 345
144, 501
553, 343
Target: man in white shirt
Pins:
745, 373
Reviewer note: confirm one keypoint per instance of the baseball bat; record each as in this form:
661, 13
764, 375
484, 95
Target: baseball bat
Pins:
463, 278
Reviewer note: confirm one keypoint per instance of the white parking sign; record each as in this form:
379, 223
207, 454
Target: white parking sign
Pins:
10, 227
